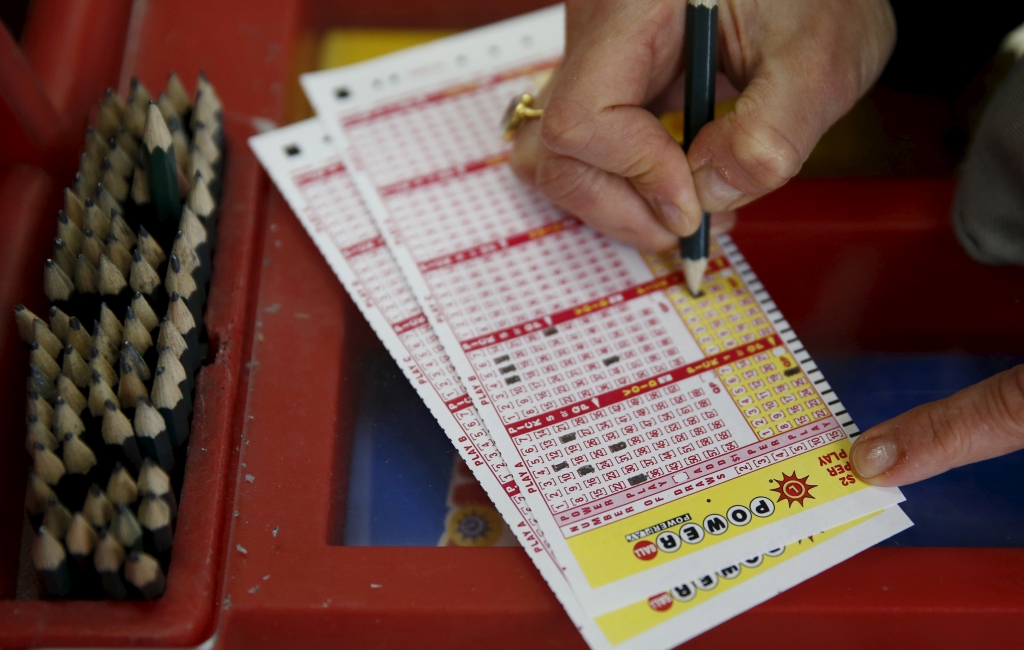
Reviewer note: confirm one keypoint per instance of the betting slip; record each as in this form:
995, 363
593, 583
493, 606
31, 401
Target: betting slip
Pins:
315, 182
651, 433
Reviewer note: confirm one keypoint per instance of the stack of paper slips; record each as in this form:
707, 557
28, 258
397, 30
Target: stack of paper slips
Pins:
663, 459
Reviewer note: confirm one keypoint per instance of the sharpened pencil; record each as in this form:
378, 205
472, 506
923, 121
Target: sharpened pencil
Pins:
80, 542
701, 56
96, 144
144, 312
38, 382
59, 287
74, 208
46, 339
37, 496
101, 366
38, 433
97, 219
154, 439
99, 393
106, 201
119, 255
181, 316
177, 94
25, 319
110, 324
130, 388
47, 465
66, 421
98, 509
112, 285
108, 558
42, 360
75, 367
72, 396
125, 527
92, 247
63, 257
70, 232
136, 333
60, 324
121, 487
56, 518
121, 443
154, 480
131, 356
50, 562
114, 182
144, 573
120, 228
157, 529
79, 462
39, 407
106, 344
168, 398
79, 338
151, 249
163, 173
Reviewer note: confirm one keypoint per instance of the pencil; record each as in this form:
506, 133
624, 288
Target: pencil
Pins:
163, 172
157, 532
87, 279
106, 201
181, 317
63, 257
144, 573
171, 338
119, 255
92, 247
153, 437
171, 402
120, 161
80, 186
38, 432
50, 562
72, 396
130, 388
701, 56
201, 202
154, 480
42, 360
137, 334
110, 324
97, 219
125, 528
110, 114
177, 94
115, 184
113, 287
126, 140
135, 117
99, 393
65, 420
56, 518
98, 509
74, 208
151, 249
121, 443
47, 465
180, 140
167, 110
99, 364
123, 231
144, 312
168, 359
37, 496
24, 318
131, 356
70, 231
79, 462
75, 367
79, 337
60, 324
89, 173
145, 281
121, 487
38, 382
46, 339
39, 407
105, 344
80, 542
108, 559
96, 144
58, 285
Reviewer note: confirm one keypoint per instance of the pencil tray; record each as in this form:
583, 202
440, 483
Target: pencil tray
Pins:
29, 196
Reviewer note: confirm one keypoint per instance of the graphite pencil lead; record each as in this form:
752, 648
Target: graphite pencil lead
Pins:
140, 187
150, 249
66, 420
106, 201
24, 318
144, 311
119, 254
92, 247
98, 509
100, 393
74, 208
109, 323
136, 333
87, 277
40, 408
42, 360
71, 395
57, 285
47, 465
120, 228
121, 487
70, 231
79, 338
60, 324
132, 357
57, 518
99, 364
50, 563
75, 367
177, 94
125, 527
97, 219
108, 559
46, 339
39, 433
39, 383
144, 572
63, 257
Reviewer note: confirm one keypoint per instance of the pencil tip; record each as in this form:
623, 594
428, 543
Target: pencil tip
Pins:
693, 271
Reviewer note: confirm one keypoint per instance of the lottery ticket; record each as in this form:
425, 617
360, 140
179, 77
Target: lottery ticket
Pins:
311, 177
651, 433
313, 180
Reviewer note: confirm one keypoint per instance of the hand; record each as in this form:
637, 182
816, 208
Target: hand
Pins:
598, 154
980, 422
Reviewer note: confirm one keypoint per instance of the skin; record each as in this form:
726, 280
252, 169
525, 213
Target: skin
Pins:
798, 66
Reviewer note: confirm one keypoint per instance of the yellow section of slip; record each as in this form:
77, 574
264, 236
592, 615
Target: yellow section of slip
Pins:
340, 47
632, 620
729, 508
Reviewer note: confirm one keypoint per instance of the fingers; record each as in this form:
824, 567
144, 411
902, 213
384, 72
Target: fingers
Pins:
802, 70
980, 422
596, 153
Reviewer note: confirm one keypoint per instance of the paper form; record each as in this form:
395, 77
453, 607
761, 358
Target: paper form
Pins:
314, 182
651, 433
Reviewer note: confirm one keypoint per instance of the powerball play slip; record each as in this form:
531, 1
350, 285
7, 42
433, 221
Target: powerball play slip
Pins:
650, 433
307, 170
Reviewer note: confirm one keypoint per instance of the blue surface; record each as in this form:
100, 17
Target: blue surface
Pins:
974, 505
401, 461
401, 464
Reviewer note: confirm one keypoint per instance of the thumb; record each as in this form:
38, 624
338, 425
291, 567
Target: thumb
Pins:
980, 422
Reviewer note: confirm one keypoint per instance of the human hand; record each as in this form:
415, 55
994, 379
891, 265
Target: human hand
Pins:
978, 423
601, 156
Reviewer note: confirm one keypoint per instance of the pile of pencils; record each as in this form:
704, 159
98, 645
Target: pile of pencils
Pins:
112, 372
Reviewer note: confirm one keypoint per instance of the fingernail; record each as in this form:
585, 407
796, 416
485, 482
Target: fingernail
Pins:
714, 193
875, 456
673, 216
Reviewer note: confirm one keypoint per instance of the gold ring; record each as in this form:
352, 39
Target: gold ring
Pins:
519, 110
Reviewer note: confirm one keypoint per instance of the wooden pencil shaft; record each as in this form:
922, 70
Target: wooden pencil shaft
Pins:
38, 382
97, 509
58, 285
74, 208
121, 487
97, 219
43, 361
93, 247
60, 324
72, 396
63, 257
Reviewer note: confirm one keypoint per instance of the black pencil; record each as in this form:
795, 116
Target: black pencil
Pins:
110, 323
181, 316
99, 392
122, 445
108, 558
98, 509
168, 398
106, 344
112, 180
87, 279
70, 232
38, 382
701, 56
119, 255
177, 94
131, 356
80, 542
99, 364
125, 528
200, 200
42, 360
37, 497
96, 144
63, 257
65, 420
50, 562
186, 381
153, 437
144, 573
130, 388
144, 312
151, 249
110, 114
154, 480
75, 368
79, 338
79, 461
89, 172
145, 282
113, 287
120, 227
47, 465
157, 531
106, 201
25, 320
121, 161
97, 220
60, 289
171, 338
72, 396
121, 487
39, 407
163, 174
137, 333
